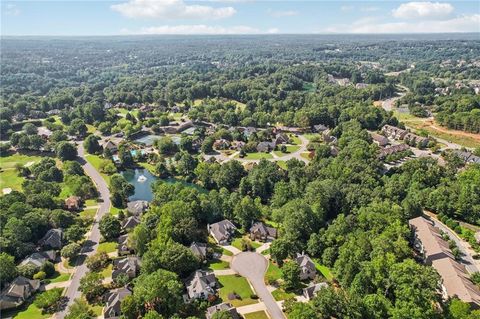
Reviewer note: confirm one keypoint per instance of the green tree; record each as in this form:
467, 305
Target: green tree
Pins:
109, 227
79, 310
246, 212
91, 144
71, 250
49, 300
91, 286
291, 275
9, 270
66, 151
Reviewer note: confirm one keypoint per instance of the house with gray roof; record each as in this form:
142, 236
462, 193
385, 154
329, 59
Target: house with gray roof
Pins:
265, 147
39, 259
19, 290
311, 291
199, 250
124, 248
137, 207
114, 298
53, 239
281, 138
307, 267
200, 285
223, 307
130, 222
260, 231
222, 231
129, 266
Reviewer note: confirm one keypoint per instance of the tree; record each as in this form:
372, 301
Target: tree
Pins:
291, 274
9, 270
224, 314
71, 250
246, 212
66, 151
74, 233
91, 286
72, 168
91, 144
79, 310
30, 129
49, 300
109, 227
97, 261
207, 145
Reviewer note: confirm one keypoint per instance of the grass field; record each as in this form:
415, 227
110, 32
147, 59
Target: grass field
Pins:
324, 270
32, 312
237, 243
12, 160
280, 294
257, 156
256, 315
8, 175
218, 265
273, 272
290, 149
108, 247
235, 284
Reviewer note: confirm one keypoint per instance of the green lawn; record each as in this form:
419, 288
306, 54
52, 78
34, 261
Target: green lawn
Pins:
114, 210
282, 164
88, 213
9, 179
280, 294
237, 243
8, 175
324, 270
218, 265
107, 272
306, 156
59, 277
290, 149
10, 161
256, 315
313, 136
97, 310
91, 202
235, 284
257, 156
273, 272
96, 162
32, 312
295, 140
90, 128
148, 166
108, 247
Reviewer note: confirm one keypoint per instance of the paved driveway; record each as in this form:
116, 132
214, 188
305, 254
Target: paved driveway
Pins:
252, 266
91, 244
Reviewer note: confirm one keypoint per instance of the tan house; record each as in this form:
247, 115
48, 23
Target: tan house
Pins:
73, 203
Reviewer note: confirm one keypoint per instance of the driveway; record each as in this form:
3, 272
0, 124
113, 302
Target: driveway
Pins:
252, 266
91, 244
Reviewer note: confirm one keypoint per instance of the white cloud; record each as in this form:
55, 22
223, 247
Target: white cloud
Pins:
464, 23
170, 9
423, 10
281, 14
346, 8
12, 10
199, 29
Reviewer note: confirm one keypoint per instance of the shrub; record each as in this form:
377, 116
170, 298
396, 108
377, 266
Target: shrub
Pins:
49, 300
48, 268
97, 261
40, 275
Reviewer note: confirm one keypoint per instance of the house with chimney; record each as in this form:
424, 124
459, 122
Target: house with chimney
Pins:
307, 267
222, 232
261, 232
17, 292
201, 284
113, 303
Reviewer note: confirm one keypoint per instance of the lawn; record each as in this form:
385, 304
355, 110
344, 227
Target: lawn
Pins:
9, 179
90, 128
256, 315
108, 247
324, 270
10, 161
59, 277
257, 156
237, 243
306, 156
96, 162
91, 202
107, 272
282, 164
148, 166
88, 213
238, 285
32, 312
114, 210
8, 175
290, 149
295, 140
313, 136
218, 265
97, 310
280, 294
273, 272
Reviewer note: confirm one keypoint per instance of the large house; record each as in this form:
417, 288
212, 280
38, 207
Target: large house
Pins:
415, 140
265, 147
129, 266
53, 239
307, 267
311, 291
467, 157
114, 298
222, 231
39, 259
111, 146
130, 223
200, 285
73, 203
137, 207
378, 139
199, 250
384, 152
434, 251
19, 290
394, 132
260, 231
223, 307
281, 138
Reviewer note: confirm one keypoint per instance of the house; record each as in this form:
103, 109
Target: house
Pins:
129, 266
73, 203
19, 290
113, 305
289, 129
199, 250
260, 231
319, 128
44, 132
221, 144
311, 291
378, 139
415, 140
467, 157
137, 207
248, 131
130, 222
384, 152
265, 147
327, 137
307, 267
53, 239
39, 259
227, 307
281, 138
222, 231
237, 145
200, 285
394, 132
111, 146
434, 251
123, 246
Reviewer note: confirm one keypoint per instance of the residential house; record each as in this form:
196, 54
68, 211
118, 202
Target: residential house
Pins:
53, 239
200, 285
17, 292
281, 138
130, 222
467, 157
378, 139
435, 251
113, 305
327, 137
39, 259
123, 246
319, 128
248, 131
220, 308
237, 145
221, 144
222, 231
394, 132
415, 140
73, 203
307, 267
265, 147
384, 152
111, 146
311, 291
137, 207
44, 132
260, 231
129, 266
199, 250
289, 129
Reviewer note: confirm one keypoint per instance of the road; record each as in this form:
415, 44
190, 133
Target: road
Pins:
253, 266
91, 244
467, 259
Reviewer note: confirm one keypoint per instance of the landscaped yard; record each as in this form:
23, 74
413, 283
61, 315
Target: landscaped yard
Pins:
235, 284
8, 175
237, 243
273, 272
32, 312
323, 270
290, 149
59, 277
257, 156
108, 247
256, 315
218, 265
280, 294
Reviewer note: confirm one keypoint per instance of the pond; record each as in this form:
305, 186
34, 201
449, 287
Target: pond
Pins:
148, 139
142, 179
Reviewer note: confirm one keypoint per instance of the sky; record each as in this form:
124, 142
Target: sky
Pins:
128, 17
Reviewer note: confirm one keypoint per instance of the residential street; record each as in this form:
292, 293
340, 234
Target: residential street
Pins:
91, 244
252, 266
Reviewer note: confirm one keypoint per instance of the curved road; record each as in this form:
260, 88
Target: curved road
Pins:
253, 266
91, 244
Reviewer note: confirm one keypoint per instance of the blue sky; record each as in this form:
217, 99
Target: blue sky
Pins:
90, 17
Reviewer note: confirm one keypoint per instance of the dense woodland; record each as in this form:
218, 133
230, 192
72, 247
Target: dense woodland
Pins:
344, 210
